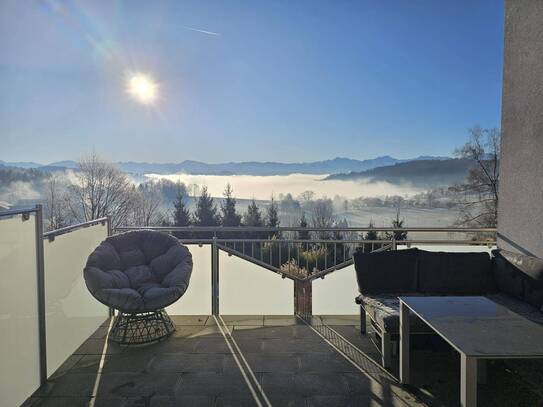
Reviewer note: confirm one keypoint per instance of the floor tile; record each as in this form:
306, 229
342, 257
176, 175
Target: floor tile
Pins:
189, 362
189, 319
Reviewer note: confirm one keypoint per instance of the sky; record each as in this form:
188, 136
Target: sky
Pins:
288, 81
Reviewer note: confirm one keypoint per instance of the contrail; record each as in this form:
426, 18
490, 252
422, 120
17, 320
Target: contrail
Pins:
202, 31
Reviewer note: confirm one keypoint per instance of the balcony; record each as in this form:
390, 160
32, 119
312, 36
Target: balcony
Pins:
258, 326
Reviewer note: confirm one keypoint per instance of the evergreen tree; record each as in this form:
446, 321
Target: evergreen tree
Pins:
272, 218
397, 223
371, 235
181, 215
272, 215
340, 250
206, 211
229, 216
253, 217
303, 235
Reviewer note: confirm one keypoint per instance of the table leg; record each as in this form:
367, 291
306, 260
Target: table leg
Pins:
386, 350
468, 381
404, 344
363, 326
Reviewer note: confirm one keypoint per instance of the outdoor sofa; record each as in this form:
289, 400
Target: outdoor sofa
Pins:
510, 279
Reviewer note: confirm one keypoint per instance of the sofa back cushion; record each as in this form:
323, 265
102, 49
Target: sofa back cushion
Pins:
520, 276
386, 272
454, 273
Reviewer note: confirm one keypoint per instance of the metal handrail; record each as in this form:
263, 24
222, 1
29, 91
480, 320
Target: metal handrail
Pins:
347, 241
14, 212
219, 229
57, 232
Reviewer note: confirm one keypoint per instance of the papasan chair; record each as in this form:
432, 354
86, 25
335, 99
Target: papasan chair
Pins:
139, 273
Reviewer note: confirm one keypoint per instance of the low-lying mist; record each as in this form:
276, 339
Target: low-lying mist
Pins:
263, 187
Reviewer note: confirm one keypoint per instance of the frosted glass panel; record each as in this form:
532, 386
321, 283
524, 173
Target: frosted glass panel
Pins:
335, 294
72, 314
197, 298
248, 289
19, 347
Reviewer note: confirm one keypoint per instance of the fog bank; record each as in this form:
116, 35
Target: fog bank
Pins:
262, 187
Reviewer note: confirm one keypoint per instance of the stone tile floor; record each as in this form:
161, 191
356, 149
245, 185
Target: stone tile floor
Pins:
294, 364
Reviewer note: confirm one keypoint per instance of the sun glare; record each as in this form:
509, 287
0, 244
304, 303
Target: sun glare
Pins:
142, 88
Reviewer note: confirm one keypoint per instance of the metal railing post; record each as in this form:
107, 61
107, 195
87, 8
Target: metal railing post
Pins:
40, 266
109, 233
393, 243
303, 297
109, 225
214, 277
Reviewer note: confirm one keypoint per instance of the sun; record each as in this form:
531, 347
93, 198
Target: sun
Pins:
142, 88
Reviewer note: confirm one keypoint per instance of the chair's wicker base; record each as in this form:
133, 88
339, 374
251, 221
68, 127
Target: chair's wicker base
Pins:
133, 329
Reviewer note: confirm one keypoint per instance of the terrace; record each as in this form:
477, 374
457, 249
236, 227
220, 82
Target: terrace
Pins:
259, 325
253, 328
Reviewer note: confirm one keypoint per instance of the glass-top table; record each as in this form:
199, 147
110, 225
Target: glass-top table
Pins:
477, 327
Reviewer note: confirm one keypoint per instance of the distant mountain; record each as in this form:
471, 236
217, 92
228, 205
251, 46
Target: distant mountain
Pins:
334, 166
64, 164
258, 168
20, 164
432, 172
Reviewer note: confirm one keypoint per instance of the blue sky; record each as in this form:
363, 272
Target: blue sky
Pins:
267, 81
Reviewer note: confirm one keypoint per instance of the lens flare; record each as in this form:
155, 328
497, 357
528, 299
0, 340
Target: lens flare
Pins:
142, 88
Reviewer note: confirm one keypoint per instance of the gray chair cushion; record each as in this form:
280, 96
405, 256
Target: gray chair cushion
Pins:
384, 310
454, 273
138, 271
387, 272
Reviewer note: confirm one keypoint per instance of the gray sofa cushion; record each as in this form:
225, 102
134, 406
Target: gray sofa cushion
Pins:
454, 273
138, 271
386, 272
385, 311
520, 276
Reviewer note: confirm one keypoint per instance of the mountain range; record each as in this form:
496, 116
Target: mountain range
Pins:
338, 165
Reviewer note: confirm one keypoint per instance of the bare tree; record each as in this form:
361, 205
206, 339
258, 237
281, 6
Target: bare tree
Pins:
55, 209
322, 216
193, 190
306, 196
100, 189
146, 205
478, 195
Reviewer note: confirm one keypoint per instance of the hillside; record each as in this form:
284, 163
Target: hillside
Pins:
421, 173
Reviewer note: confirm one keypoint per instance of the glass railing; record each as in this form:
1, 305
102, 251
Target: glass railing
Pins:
258, 268
197, 299
46, 311
246, 288
19, 321
72, 314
